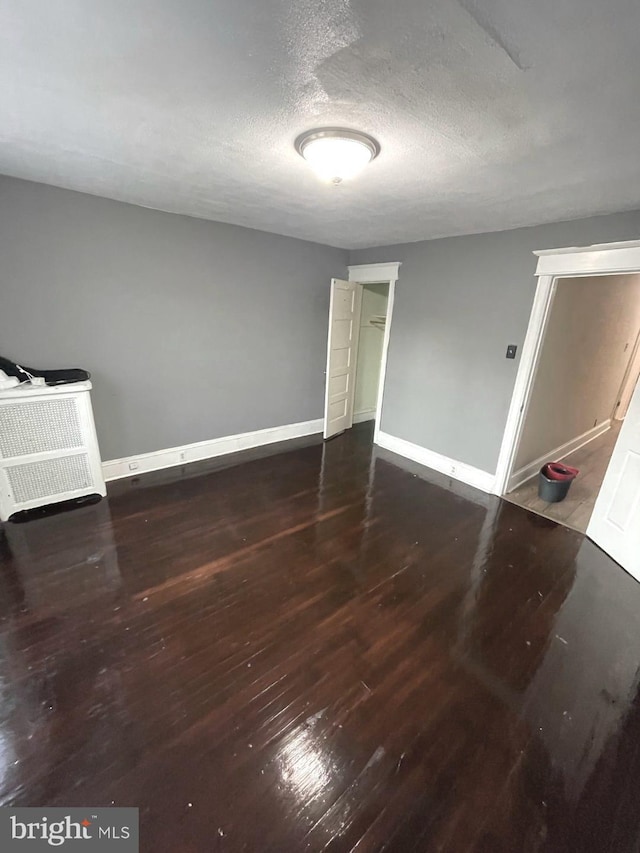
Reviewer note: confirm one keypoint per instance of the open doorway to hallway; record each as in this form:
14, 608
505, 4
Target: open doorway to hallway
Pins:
588, 367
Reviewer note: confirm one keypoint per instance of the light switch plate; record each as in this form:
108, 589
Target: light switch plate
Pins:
511, 350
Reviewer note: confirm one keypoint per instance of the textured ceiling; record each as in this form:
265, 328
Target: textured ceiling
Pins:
491, 113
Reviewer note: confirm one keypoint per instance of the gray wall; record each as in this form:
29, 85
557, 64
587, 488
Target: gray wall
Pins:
589, 341
191, 329
458, 303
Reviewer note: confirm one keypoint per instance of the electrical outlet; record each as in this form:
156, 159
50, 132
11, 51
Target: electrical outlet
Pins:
182, 455
133, 466
511, 350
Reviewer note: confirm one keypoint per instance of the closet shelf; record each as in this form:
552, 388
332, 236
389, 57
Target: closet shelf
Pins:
379, 322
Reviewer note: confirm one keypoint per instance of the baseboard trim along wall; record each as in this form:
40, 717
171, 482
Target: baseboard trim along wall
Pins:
531, 469
366, 415
482, 480
130, 466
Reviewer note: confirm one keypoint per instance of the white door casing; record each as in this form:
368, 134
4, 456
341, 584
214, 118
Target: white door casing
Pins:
342, 350
601, 259
379, 274
615, 522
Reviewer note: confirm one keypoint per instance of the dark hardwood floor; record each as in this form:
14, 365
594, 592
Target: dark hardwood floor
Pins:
324, 648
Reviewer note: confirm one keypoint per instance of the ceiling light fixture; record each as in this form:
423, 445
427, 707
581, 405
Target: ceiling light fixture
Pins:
335, 154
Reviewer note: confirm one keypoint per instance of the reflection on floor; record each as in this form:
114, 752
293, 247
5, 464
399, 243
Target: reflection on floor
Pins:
323, 648
575, 510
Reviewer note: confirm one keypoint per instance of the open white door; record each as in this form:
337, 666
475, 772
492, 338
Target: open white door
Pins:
342, 350
615, 523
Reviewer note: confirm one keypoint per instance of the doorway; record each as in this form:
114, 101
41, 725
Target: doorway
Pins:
586, 372
360, 315
373, 320
615, 522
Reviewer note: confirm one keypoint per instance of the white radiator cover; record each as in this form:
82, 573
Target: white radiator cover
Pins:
48, 447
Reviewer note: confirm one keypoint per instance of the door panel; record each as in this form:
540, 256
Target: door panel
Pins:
339, 385
342, 349
615, 523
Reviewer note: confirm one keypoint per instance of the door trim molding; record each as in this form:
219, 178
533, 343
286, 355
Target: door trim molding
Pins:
379, 274
599, 259
374, 273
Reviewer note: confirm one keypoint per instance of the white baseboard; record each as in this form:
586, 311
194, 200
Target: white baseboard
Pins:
482, 480
366, 415
531, 469
130, 466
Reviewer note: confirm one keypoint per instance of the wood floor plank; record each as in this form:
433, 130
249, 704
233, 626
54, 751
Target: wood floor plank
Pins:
322, 647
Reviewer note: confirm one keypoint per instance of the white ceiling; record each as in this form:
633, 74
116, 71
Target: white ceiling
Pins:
491, 113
